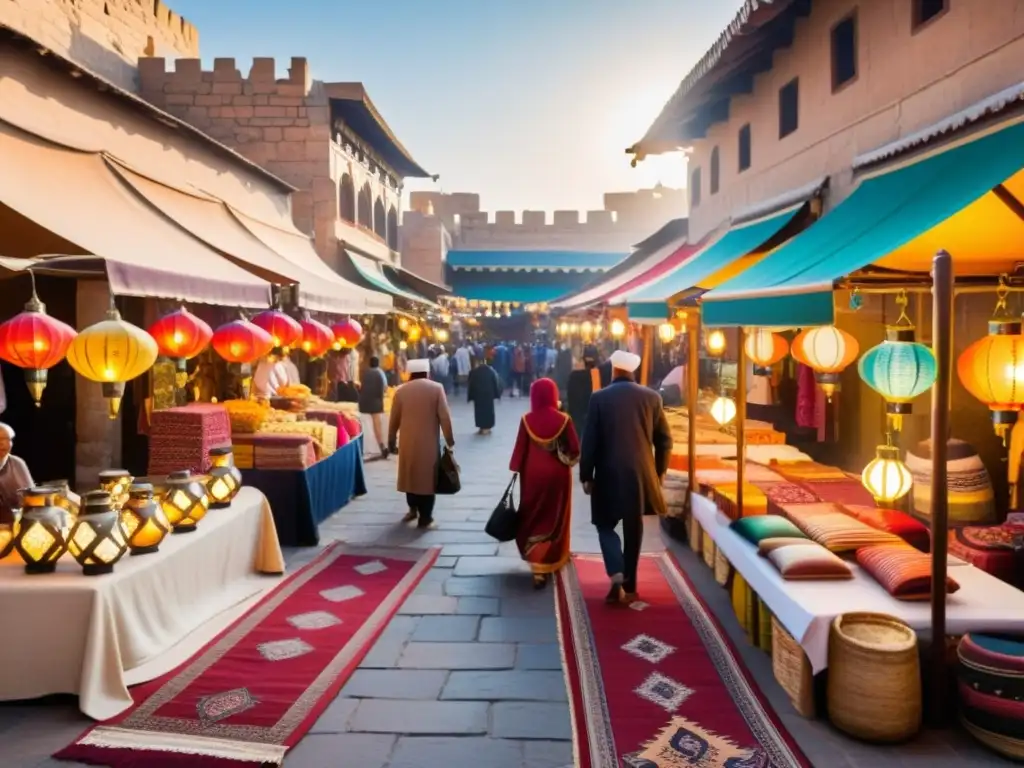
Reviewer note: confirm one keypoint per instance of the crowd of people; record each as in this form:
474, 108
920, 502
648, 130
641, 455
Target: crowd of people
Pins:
614, 429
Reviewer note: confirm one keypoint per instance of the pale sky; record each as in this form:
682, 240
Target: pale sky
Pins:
530, 103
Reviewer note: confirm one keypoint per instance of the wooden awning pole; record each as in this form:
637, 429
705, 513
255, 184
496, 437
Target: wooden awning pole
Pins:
741, 417
942, 343
692, 395
647, 335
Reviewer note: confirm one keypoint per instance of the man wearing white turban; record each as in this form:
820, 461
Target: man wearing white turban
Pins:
626, 448
14, 475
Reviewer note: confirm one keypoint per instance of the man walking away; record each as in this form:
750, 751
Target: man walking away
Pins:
371, 401
620, 471
484, 388
419, 413
580, 385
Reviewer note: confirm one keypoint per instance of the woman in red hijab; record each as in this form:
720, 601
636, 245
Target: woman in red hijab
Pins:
547, 449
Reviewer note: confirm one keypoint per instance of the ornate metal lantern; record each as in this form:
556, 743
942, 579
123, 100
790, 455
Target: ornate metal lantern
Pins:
144, 520
225, 479
185, 501
41, 536
98, 539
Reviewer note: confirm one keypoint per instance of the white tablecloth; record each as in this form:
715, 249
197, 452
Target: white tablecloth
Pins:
807, 608
69, 633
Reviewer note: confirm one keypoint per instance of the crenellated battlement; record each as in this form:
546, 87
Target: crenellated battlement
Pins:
260, 87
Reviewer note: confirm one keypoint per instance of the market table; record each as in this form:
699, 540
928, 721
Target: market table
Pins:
301, 499
69, 633
807, 608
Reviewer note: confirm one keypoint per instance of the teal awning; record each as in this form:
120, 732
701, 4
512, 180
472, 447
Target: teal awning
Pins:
737, 242
372, 272
793, 285
648, 310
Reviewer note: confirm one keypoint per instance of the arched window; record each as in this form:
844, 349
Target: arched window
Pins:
347, 199
392, 229
365, 209
380, 224
713, 181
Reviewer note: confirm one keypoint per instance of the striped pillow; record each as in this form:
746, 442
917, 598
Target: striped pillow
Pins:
839, 532
904, 572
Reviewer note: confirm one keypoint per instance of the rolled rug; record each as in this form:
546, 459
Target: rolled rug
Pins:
971, 498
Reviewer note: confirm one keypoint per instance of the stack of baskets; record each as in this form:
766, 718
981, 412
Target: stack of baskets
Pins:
991, 683
874, 677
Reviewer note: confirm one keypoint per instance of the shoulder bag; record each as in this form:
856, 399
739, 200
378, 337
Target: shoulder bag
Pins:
503, 524
448, 482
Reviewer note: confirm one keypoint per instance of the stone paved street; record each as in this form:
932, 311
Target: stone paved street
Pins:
469, 672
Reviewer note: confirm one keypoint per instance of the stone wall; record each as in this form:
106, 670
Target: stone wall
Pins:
283, 124
104, 36
627, 218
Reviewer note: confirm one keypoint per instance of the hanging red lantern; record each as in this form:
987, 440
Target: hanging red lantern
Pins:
241, 343
347, 334
317, 338
36, 342
180, 336
285, 331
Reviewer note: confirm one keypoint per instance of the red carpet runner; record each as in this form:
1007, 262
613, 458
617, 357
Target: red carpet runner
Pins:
255, 690
658, 684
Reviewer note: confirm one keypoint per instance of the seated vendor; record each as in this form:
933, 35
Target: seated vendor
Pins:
14, 475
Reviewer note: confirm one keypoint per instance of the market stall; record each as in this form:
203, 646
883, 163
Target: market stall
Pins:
71, 633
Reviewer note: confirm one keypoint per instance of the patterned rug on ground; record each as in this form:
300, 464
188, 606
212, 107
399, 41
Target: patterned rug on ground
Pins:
658, 684
253, 693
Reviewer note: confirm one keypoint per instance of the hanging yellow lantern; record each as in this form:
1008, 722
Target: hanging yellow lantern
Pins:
723, 410
827, 351
666, 332
442, 335
403, 324
574, 328
992, 368
886, 477
617, 328
764, 349
715, 343
414, 333
563, 328
587, 329
112, 352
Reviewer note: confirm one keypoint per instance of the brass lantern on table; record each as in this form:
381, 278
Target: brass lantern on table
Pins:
7, 533
117, 483
41, 536
185, 501
144, 520
225, 478
98, 539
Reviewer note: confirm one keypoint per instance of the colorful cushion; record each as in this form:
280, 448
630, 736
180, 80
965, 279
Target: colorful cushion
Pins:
786, 492
893, 521
764, 546
904, 572
808, 561
755, 529
839, 532
725, 496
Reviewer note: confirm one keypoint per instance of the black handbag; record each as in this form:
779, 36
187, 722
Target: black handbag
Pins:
448, 482
503, 524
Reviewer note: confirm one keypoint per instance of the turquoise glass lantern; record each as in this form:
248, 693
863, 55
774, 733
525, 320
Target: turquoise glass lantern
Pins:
899, 369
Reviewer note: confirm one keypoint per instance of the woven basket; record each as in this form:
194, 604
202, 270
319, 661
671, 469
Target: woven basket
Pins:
722, 568
707, 549
1005, 745
792, 669
695, 534
874, 677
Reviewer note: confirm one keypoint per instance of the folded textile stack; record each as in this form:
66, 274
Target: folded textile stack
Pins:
283, 451
246, 416
726, 496
330, 417
275, 416
243, 450
181, 438
324, 435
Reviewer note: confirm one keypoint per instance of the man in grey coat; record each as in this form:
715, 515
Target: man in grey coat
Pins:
625, 454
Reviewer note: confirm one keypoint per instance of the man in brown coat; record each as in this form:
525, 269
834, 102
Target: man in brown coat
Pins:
419, 412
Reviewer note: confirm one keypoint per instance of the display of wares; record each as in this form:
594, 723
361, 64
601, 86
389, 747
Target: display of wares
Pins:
98, 539
116, 482
324, 435
225, 480
181, 438
185, 501
294, 391
144, 520
41, 537
246, 416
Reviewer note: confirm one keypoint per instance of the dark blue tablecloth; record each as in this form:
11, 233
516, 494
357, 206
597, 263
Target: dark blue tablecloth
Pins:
302, 499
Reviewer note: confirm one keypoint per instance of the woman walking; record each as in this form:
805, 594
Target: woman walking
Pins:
546, 450
371, 401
